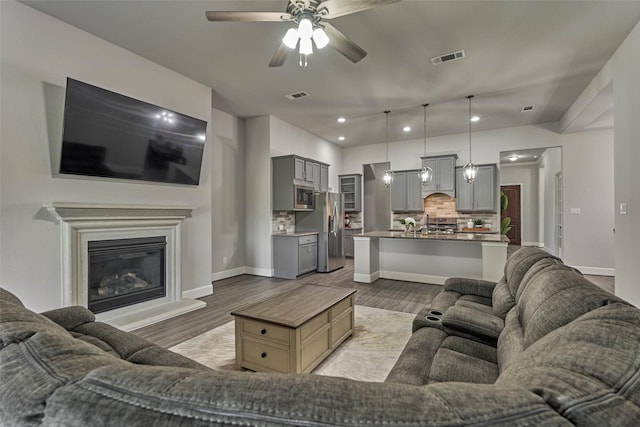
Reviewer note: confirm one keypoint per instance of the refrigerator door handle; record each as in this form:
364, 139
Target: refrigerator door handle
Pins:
335, 215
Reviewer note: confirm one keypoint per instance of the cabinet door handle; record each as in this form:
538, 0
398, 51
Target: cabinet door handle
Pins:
263, 355
263, 332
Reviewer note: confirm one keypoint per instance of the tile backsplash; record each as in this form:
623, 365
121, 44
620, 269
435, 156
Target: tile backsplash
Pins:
283, 221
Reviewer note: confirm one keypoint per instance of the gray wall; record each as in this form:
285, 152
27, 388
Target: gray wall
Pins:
39, 52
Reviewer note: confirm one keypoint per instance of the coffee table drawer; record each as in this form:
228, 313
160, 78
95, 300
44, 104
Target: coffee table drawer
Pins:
341, 307
266, 331
262, 356
342, 327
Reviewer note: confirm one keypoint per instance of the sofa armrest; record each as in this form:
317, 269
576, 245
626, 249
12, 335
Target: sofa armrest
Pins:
473, 322
70, 317
466, 286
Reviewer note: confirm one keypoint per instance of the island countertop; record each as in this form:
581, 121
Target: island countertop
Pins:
461, 237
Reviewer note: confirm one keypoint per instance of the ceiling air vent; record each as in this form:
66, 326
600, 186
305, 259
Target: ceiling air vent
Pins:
297, 95
448, 57
526, 108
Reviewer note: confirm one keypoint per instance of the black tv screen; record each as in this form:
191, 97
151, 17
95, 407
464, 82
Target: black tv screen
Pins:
106, 134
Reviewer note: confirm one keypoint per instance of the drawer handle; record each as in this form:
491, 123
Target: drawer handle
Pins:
264, 331
263, 355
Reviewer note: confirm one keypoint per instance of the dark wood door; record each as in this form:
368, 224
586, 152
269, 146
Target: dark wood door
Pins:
513, 211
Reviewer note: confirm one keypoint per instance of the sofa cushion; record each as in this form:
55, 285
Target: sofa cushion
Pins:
467, 286
70, 317
588, 370
473, 322
414, 364
515, 269
510, 341
8, 297
461, 359
156, 396
555, 297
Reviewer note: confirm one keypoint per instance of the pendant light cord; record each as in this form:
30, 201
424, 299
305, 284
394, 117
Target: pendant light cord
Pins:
386, 112
425, 128
469, 98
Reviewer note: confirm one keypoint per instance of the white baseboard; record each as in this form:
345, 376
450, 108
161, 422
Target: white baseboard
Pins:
228, 273
413, 277
535, 244
596, 271
265, 272
202, 291
366, 278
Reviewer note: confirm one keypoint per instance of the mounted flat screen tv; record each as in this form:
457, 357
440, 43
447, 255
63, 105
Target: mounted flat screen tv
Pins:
106, 134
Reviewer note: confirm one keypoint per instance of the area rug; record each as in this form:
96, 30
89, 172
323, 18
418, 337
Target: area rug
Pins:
368, 355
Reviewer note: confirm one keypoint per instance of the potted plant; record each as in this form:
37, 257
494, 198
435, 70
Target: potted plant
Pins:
408, 223
478, 222
505, 224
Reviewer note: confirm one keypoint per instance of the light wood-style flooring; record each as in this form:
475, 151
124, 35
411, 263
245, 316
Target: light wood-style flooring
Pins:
230, 294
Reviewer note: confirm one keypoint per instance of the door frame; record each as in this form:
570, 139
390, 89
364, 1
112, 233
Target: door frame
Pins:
521, 185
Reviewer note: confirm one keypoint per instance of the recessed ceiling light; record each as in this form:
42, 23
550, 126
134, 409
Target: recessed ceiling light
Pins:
341, 138
526, 108
513, 157
407, 128
341, 119
475, 119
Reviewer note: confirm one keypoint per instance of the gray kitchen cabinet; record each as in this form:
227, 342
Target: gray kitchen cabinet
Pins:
294, 255
291, 171
444, 174
406, 192
324, 177
351, 187
348, 240
479, 196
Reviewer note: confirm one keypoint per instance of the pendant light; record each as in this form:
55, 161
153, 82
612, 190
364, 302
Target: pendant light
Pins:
388, 174
426, 174
469, 171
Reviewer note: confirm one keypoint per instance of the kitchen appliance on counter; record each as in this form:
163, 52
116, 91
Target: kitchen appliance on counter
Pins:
327, 219
445, 225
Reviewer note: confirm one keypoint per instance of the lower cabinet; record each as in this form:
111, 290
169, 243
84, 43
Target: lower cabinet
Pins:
294, 255
348, 240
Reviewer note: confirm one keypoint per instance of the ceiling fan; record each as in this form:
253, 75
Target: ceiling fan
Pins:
309, 17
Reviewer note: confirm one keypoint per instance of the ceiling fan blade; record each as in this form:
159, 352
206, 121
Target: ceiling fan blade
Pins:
343, 44
248, 16
279, 57
336, 8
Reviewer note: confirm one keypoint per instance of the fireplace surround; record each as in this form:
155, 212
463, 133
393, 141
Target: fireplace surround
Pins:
83, 223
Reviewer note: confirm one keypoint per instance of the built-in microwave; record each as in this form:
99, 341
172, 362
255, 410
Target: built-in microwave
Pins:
304, 198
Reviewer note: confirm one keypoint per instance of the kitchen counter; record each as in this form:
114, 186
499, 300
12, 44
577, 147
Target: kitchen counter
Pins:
295, 234
428, 258
460, 237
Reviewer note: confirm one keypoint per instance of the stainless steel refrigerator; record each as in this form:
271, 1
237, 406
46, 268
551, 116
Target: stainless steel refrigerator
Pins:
328, 220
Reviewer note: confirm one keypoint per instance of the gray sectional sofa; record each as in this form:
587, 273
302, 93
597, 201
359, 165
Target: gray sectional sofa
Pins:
541, 347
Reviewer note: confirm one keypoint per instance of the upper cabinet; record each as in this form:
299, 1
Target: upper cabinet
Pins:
444, 175
291, 171
350, 186
406, 192
479, 196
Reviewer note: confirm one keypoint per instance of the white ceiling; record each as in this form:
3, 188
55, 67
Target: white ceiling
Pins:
518, 53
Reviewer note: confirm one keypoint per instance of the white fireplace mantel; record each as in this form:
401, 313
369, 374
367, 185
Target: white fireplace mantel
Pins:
81, 223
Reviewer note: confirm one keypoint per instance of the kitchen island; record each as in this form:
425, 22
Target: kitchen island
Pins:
428, 258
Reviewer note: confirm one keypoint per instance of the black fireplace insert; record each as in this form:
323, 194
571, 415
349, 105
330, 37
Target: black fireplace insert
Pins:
123, 272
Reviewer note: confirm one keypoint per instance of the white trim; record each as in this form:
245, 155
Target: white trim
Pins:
366, 278
596, 271
228, 273
255, 271
413, 277
535, 244
200, 292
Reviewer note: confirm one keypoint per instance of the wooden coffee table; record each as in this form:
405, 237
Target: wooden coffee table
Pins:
294, 331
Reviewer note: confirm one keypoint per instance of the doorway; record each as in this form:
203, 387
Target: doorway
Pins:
558, 213
513, 211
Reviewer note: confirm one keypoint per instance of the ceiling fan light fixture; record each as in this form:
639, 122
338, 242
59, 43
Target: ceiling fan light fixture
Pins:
306, 47
290, 39
320, 38
305, 29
